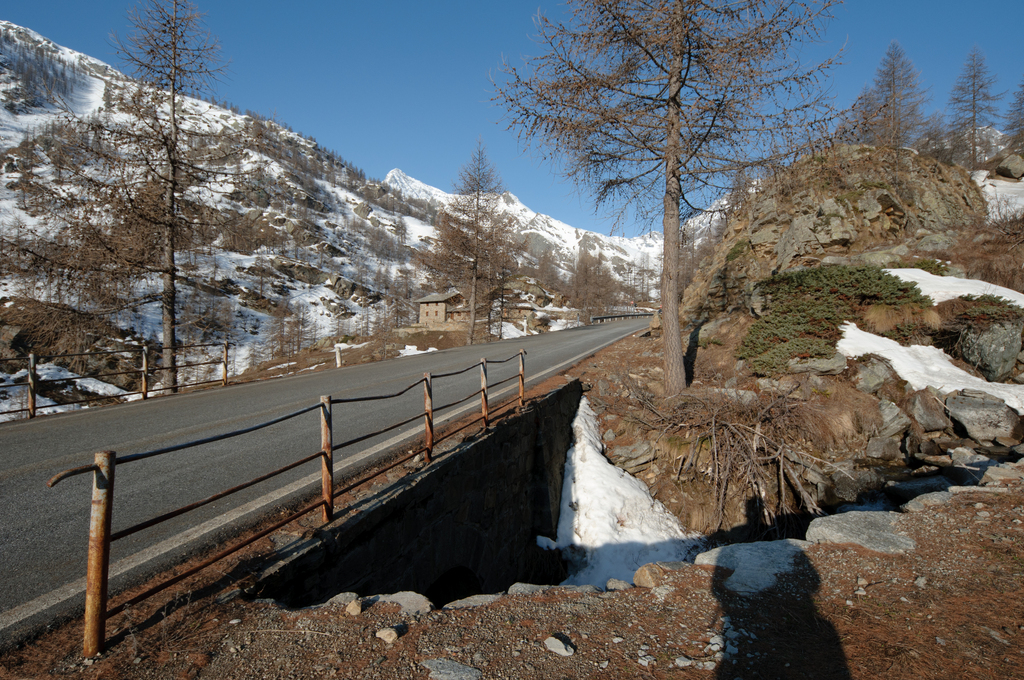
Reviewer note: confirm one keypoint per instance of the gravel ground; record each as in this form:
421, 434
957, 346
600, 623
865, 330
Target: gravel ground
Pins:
949, 609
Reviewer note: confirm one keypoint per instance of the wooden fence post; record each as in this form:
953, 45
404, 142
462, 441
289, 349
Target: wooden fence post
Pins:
33, 385
428, 415
145, 371
483, 389
99, 554
522, 377
224, 366
327, 461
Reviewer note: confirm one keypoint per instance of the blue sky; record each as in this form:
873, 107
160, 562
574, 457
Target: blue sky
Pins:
404, 83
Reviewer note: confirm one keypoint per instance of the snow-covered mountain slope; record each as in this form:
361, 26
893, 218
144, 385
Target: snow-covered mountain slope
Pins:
543, 234
314, 249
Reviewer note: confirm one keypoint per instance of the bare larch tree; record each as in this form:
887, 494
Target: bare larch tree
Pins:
972, 106
1013, 120
172, 55
657, 104
472, 235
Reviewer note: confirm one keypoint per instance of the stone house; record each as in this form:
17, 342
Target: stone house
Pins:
440, 308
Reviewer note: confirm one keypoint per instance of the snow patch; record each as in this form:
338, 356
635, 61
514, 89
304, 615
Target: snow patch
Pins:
609, 524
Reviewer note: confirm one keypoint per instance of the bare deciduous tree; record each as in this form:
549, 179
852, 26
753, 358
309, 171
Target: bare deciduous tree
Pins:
131, 176
472, 236
972, 105
657, 104
895, 101
1014, 120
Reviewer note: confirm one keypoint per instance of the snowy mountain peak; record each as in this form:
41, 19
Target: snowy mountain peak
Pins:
413, 188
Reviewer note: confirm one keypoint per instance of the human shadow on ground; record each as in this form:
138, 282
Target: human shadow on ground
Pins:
777, 632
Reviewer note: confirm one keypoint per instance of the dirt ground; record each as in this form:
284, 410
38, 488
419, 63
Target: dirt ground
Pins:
951, 608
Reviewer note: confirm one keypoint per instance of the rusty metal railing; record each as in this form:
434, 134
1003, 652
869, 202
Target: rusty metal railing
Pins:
105, 464
33, 383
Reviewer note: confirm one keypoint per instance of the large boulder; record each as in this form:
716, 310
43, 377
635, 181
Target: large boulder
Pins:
1012, 167
755, 565
993, 350
926, 407
871, 530
984, 417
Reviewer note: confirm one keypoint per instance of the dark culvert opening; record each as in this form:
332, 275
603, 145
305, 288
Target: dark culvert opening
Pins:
454, 584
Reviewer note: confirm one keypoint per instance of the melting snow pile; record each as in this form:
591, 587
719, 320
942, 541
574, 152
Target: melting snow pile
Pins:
923, 366
609, 525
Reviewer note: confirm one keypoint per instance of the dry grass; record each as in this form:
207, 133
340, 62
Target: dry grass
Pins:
882, 318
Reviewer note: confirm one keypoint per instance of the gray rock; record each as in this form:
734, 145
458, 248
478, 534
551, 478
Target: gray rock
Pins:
984, 416
617, 584
343, 599
473, 601
912, 488
560, 645
872, 375
871, 530
894, 421
526, 589
936, 242
755, 565
925, 501
410, 602
389, 635
1012, 167
994, 350
848, 485
968, 468
884, 448
997, 474
445, 669
833, 366
926, 407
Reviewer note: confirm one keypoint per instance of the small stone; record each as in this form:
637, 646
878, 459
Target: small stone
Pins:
603, 664
388, 635
445, 669
617, 584
940, 641
88, 662
861, 581
560, 645
860, 591
355, 607
683, 661
616, 640
921, 582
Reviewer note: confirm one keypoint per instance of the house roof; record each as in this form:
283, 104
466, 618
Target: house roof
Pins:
439, 297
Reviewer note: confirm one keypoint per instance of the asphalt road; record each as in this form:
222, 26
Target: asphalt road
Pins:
44, 532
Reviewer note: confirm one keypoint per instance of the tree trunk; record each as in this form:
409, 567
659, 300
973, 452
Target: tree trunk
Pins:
472, 305
675, 371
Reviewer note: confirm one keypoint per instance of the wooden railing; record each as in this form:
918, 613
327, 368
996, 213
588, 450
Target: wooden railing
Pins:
34, 385
106, 463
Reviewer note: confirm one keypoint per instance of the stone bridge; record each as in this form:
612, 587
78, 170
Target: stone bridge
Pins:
463, 525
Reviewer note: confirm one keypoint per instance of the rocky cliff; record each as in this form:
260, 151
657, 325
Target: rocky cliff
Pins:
853, 205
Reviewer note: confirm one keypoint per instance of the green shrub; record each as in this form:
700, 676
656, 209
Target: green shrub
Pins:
806, 308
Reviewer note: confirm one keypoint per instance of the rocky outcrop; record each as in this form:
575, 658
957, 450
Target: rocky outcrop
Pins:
846, 207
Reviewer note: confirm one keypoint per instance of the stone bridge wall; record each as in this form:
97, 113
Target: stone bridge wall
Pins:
478, 507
